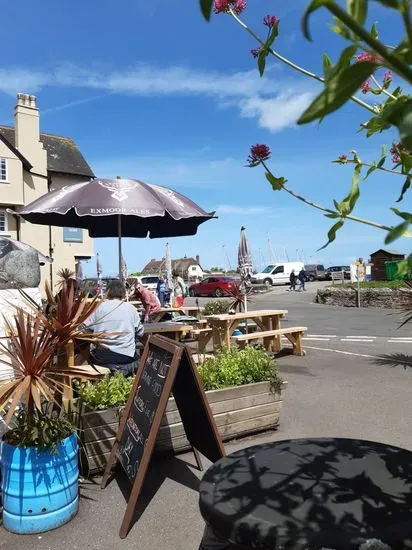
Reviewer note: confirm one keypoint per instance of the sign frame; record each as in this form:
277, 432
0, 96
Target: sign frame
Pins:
183, 379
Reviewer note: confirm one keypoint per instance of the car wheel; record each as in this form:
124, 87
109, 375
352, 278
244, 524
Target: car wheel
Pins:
218, 293
192, 293
267, 282
311, 278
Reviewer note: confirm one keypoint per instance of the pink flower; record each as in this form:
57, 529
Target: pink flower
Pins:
396, 149
258, 153
366, 56
256, 51
342, 158
270, 21
387, 77
223, 6
366, 87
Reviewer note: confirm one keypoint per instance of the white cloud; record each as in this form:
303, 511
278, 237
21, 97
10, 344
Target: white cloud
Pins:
242, 210
279, 112
264, 98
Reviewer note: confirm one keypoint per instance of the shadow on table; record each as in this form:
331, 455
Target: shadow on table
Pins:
161, 468
338, 495
394, 360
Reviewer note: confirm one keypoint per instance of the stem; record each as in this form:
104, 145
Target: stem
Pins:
293, 65
381, 88
407, 19
397, 64
348, 161
328, 210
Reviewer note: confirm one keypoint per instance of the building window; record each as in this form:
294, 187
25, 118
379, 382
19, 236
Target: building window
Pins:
3, 169
3, 222
72, 235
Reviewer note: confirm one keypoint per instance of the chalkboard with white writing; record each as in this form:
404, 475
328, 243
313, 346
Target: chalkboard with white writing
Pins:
165, 366
155, 371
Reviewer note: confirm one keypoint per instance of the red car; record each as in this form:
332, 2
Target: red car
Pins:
217, 285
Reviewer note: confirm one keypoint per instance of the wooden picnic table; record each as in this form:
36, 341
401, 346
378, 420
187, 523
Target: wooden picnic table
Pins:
224, 325
168, 329
159, 315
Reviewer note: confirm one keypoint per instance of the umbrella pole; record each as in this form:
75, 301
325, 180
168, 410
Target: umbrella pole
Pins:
119, 236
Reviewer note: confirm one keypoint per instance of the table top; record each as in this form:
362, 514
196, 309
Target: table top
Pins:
310, 493
167, 326
259, 313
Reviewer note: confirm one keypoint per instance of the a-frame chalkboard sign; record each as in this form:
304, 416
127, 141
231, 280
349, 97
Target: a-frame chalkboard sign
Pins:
165, 366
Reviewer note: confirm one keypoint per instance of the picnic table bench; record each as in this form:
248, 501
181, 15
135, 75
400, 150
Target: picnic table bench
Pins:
269, 337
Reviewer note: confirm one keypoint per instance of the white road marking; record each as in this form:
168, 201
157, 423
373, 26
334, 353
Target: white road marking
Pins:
322, 335
400, 341
314, 338
343, 352
356, 337
400, 338
355, 340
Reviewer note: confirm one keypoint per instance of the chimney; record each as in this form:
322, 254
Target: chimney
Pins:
27, 132
198, 258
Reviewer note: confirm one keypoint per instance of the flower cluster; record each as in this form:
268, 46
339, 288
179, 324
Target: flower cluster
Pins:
366, 56
258, 153
342, 159
396, 149
223, 6
270, 21
387, 77
256, 51
366, 87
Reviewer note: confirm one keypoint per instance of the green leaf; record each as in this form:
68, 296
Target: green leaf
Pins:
374, 32
399, 113
276, 183
333, 216
206, 8
404, 215
404, 50
396, 232
348, 203
358, 9
405, 188
338, 90
332, 233
390, 3
313, 6
341, 29
374, 125
273, 34
262, 61
327, 66
369, 172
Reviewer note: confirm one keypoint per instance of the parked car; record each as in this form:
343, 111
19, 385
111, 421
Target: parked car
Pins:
277, 274
315, 272
218, 285
336, 268
148, 281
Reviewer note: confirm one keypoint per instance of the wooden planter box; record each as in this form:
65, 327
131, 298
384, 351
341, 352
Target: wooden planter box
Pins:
238, 411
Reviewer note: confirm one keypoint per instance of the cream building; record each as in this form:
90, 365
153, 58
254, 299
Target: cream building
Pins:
31, 164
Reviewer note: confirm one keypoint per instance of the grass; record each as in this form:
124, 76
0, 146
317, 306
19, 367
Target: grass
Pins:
371, 284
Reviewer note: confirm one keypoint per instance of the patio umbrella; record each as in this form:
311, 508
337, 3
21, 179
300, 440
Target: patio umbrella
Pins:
169, 276
99, 268
119, 207
8, 244
244, 259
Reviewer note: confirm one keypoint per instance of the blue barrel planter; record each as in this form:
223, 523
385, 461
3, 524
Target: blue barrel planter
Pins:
40, 488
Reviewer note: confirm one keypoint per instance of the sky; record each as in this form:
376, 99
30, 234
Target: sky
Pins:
149, 90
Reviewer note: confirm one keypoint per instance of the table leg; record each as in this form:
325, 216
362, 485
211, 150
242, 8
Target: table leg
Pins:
277, 343
267, 325
227, 335
217, 336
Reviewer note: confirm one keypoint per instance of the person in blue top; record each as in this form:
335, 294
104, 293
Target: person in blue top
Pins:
160, 290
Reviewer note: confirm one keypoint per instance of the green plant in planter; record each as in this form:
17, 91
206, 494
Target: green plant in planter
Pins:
238, 367
216, 307
112, 391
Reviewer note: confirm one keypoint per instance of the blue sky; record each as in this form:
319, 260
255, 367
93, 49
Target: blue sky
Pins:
149, 90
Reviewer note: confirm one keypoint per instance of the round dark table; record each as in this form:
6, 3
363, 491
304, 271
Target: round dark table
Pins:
308, 493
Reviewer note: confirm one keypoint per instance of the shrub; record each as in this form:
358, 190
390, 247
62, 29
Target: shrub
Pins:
112, 391
216, 307
238, 367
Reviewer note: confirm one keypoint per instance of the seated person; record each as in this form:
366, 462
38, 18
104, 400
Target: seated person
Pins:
149, 300
118, 351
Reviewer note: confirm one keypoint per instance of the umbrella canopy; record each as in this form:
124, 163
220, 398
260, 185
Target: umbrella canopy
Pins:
244, 257
8, 245
120, 207
96, 205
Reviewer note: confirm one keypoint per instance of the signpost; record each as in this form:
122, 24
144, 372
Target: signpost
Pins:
165, 366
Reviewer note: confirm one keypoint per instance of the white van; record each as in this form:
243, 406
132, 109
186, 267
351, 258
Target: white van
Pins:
277, 274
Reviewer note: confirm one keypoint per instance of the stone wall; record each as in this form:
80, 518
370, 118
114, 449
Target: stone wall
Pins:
370, 297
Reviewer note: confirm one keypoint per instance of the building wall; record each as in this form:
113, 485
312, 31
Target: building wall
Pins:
11, 193
378, 264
